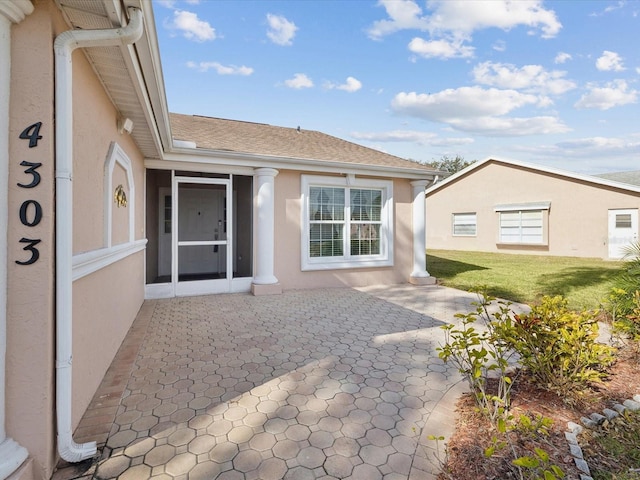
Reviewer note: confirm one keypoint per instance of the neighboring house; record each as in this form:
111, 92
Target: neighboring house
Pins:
102, 208
515, 207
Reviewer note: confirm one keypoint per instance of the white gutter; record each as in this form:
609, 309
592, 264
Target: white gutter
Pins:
64, 46
12, 454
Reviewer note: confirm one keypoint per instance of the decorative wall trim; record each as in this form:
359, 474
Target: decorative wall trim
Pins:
87, 263
115, 156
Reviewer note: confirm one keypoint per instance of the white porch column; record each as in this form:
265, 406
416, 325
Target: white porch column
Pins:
12, 455
264, 281
419, 275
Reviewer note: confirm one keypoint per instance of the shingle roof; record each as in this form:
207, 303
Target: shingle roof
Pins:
262, 139
632, 178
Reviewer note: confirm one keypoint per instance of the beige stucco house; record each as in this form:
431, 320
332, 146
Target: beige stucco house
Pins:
515, 207
107, 199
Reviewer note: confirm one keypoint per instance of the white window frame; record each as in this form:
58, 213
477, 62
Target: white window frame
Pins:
383, 259
542, 207
464, 219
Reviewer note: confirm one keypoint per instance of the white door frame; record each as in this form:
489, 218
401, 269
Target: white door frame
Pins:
617, 243
201, 287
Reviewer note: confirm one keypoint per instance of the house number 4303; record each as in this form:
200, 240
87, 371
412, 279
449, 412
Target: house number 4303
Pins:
30, 210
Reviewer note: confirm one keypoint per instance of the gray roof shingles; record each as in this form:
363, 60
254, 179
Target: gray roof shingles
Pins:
632, 178
262, 139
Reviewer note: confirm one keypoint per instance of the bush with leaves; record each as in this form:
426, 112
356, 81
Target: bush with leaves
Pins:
479, 353
480, 350
558, 347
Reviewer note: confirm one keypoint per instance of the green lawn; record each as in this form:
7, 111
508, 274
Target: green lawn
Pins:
526, 278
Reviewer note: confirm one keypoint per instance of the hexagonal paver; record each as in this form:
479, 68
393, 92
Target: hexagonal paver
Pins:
262, 441
241, 434
373, 455
286, 449
247, 460
159, 455
202, 444
272, 469
338, 466
223, 452
135, 473
181, 436
181, 464
310, 457
321, 439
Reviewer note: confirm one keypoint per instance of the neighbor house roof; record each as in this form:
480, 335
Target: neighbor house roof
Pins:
267, 140
632, 178
537, 168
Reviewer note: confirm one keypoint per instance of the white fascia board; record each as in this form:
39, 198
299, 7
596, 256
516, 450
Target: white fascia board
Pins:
224, 158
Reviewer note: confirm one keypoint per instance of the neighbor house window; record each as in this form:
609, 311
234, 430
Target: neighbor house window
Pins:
523, 223
464, 224
347, 222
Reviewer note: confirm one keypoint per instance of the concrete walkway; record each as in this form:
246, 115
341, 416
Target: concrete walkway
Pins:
310, 384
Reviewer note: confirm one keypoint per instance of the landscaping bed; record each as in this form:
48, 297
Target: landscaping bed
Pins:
465, 449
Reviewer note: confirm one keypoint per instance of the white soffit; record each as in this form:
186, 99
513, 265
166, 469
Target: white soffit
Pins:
110, 67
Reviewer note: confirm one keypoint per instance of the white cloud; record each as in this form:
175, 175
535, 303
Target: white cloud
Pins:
412, 136
613, 94
562, 57
281, 31
609, 61
469, 102
299, 80
403, 14
510, 126
531, 78
351, 85
478, 110
220, 69
192, 27
440, 48
499, 46
167, 3
462, 18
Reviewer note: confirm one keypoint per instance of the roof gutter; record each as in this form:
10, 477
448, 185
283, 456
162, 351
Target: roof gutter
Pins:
64, 46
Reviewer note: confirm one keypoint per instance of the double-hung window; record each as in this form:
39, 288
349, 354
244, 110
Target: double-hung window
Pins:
347, 222
523, 223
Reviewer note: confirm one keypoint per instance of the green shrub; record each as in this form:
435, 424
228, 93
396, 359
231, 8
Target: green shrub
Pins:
478, 353
557, 346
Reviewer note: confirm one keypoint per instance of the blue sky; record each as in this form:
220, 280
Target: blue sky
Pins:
553, 83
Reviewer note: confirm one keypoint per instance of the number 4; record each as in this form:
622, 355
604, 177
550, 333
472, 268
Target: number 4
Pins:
32, 133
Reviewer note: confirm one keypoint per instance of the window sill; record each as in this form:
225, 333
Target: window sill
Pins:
341, 265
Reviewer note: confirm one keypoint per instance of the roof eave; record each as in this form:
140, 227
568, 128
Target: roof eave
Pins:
223, 157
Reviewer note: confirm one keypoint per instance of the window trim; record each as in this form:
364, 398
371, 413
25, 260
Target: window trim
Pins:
475, 224
384, 259
542, 207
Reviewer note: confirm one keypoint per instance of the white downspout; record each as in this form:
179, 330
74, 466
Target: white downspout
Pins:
12, 454
64, 46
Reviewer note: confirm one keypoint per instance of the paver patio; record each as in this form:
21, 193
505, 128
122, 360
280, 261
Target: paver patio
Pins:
310, 384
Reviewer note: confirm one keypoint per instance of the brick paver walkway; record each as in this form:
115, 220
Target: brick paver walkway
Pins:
311, 384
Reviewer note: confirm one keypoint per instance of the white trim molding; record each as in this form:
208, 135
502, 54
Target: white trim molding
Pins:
118, 156
87, 263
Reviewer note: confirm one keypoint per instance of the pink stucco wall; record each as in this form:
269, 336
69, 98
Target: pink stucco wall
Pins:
577, 221
106, 301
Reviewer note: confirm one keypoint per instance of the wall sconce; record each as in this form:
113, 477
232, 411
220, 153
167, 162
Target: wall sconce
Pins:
125, 125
